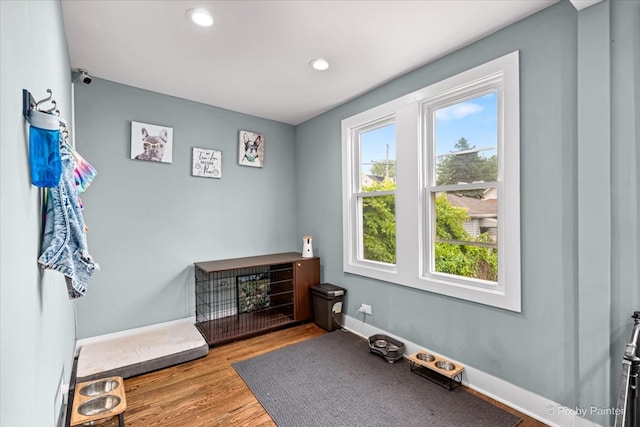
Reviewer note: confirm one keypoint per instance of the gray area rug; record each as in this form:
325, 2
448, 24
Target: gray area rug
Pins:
333, 380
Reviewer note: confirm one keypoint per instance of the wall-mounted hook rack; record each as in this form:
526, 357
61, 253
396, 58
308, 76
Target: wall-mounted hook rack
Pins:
28, 103
40, 117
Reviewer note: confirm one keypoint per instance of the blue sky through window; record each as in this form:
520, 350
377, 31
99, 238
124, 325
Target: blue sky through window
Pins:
373, 146
476, 120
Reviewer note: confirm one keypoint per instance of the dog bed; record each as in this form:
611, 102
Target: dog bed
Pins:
136, 353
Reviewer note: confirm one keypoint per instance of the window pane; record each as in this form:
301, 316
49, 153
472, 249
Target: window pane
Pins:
379, 228
378, 157
468, 261
467, 218
466, 141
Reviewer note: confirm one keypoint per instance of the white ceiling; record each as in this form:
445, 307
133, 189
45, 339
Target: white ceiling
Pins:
254, 59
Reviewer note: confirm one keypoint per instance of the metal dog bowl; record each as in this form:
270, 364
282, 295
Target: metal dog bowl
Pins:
99, 387
388, 347
445, 365
99, 422
426, 357
380, 343
99, 405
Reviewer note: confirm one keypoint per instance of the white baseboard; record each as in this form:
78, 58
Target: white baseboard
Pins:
129, 332
525, 401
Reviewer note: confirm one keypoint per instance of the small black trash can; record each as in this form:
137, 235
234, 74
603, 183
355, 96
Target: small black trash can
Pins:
327, 305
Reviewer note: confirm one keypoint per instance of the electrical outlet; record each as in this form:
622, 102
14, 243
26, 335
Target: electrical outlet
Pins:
365, 308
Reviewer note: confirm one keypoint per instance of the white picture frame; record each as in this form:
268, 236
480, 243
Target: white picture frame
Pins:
151, 142
206, 163
250, 149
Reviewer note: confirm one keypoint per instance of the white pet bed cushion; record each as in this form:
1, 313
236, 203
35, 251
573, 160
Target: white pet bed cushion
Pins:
141, 351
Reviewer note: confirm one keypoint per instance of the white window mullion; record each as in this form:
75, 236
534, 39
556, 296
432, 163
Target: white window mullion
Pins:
407, 191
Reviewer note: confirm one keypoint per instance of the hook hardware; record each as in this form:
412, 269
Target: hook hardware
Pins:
48, 98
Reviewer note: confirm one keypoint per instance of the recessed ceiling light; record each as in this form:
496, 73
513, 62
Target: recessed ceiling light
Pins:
200, 17
319, 64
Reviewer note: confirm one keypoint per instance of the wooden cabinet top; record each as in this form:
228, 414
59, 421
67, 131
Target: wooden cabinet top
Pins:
252, 261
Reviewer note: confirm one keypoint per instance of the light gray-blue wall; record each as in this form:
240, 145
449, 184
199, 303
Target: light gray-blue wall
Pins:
149, 222
594, 205
625, 176
579, 289
37, 327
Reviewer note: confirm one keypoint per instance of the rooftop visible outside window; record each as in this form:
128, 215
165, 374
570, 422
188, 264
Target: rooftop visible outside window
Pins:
465, 197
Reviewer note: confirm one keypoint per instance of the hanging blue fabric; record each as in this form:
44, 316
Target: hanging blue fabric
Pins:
44, 149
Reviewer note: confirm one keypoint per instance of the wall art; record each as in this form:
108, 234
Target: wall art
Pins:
251, 149
151, 142
206, 163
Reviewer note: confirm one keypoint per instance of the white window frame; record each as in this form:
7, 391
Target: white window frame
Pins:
359, 195
415, 224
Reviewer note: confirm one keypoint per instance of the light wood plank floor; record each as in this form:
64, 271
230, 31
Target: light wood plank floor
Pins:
208, 392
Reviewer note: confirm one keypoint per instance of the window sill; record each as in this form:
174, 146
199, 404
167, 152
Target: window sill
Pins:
494, 296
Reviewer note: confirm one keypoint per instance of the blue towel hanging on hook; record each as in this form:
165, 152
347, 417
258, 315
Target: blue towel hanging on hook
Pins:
44, 149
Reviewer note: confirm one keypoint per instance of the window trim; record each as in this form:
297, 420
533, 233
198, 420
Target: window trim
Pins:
482, 86
353, 223
414, 224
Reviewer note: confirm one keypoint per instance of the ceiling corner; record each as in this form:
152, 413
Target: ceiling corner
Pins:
583, 4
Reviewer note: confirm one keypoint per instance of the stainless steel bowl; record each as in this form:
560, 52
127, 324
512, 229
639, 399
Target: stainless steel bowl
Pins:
445, 365
100, 421
392, 347
426, 357
380, 343
99, 387
99, 405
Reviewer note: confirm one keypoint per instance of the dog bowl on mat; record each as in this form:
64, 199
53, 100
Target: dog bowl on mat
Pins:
392, 349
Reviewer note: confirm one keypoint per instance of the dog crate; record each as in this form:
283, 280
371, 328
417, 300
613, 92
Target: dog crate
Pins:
246, 296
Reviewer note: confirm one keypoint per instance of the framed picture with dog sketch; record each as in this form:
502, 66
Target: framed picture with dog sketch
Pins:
206, 163
151, 142
251, 149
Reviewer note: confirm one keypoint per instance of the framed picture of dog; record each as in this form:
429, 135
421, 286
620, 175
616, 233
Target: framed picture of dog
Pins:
251, 149
153, 143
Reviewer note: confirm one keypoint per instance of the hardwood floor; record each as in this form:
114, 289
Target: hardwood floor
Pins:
208, 392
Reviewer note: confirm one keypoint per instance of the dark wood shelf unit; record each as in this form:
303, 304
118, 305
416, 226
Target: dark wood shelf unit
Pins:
243, 297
